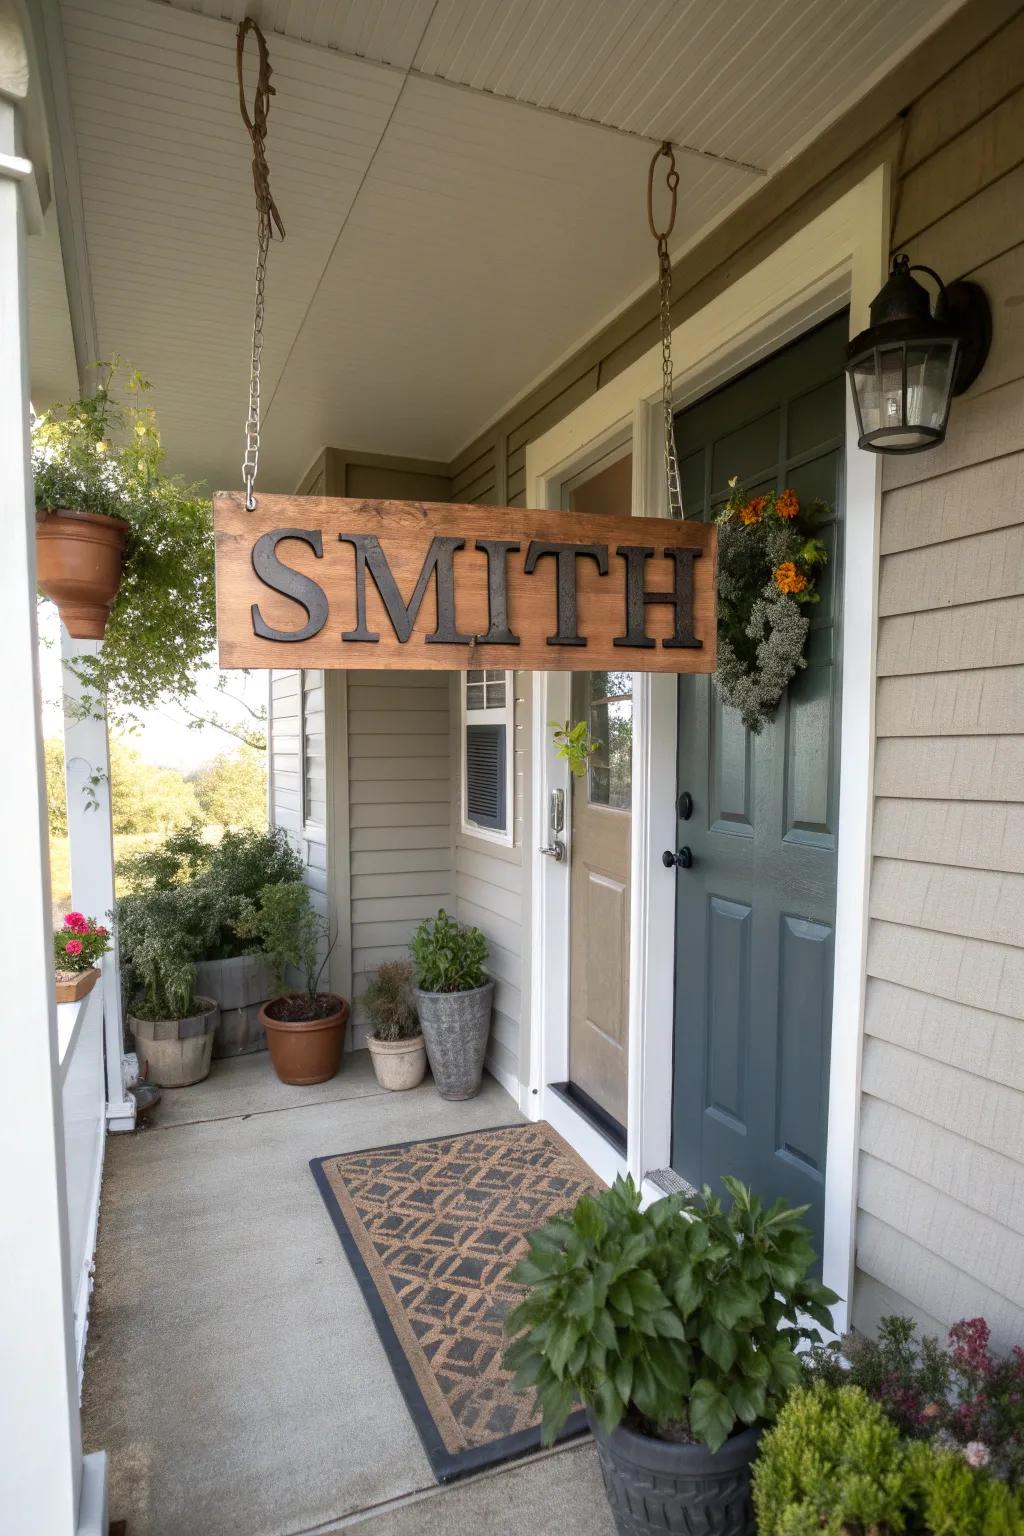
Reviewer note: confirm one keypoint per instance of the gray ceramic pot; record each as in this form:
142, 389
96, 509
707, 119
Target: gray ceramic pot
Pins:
656, 1487
455, 1028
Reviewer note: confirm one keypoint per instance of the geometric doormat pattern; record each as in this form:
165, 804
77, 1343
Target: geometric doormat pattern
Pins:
431, 1229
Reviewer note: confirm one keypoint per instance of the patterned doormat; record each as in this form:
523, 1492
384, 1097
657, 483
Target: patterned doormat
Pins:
431, 1229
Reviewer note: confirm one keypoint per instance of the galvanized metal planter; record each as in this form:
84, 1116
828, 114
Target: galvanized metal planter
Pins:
658, 1488
455, 1029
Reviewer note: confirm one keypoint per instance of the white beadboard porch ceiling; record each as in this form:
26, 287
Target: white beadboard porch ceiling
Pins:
446, 246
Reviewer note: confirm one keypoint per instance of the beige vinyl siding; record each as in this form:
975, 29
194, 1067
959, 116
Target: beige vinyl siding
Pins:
940, 1229
400, 826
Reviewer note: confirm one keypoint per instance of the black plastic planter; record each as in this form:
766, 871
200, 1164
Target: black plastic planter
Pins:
656, 1486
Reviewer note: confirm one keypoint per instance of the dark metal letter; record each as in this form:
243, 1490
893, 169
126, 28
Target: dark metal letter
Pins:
497, 551
281, 578
440, 556
637, 598
565, 582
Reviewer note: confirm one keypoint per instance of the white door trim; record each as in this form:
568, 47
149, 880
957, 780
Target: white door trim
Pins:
840, 257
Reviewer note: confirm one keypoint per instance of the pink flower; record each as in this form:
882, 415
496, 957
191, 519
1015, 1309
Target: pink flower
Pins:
969, 1339
104, 931
977, 1454
76, 922
73, 947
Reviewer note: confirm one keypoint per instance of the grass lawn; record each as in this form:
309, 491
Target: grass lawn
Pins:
60, 867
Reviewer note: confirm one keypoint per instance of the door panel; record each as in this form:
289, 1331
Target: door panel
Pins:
755, 913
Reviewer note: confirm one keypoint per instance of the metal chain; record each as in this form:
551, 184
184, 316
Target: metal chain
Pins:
266, 217
673, 487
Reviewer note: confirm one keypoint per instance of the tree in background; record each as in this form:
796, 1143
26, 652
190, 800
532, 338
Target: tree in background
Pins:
143, 798
232, 790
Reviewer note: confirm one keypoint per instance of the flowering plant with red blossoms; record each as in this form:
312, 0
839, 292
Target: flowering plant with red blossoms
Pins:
962, 1396
79, 944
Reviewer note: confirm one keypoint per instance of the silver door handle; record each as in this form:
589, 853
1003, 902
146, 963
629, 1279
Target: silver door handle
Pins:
555, 850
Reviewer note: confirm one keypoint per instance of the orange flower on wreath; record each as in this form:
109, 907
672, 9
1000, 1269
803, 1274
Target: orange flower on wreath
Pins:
788, 578
788, 505
753, 510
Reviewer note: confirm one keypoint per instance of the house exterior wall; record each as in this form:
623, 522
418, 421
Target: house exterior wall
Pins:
940, 1229
940, 1224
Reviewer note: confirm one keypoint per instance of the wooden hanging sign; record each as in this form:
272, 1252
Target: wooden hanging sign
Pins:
307, 581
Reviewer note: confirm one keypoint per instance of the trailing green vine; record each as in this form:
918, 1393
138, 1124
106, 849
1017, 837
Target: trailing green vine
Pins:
769, 559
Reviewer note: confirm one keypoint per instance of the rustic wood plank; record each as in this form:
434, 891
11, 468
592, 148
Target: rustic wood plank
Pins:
255, 617
953, 639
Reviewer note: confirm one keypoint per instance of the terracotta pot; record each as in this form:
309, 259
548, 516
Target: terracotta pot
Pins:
78, 985
399, 1064
78, 566
308, 1051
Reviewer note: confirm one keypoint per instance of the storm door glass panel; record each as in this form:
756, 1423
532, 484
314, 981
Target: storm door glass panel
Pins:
610, 718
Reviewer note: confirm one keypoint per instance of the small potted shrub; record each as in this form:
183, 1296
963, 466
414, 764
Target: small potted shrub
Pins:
395, 1040
77, 946
173, 1027
453, 998
224, 877
306, 1028
677, 1328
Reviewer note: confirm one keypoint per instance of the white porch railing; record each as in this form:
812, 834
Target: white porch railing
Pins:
84, 1106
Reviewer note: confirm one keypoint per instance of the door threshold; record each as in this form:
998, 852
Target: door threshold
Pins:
602, 1122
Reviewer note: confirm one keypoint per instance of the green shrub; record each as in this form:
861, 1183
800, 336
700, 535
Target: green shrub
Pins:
449, 956
834, 1464
287, 929
162, 933
388, 1002
683, 1317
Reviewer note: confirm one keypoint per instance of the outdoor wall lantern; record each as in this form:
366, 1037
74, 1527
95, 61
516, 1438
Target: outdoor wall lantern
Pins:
907, 366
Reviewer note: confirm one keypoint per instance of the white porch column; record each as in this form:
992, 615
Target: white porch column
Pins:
91, 846
46, 1486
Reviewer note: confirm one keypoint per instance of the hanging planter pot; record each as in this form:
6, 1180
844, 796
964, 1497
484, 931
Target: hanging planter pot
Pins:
78, 566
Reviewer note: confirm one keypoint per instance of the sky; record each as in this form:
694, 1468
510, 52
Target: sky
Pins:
164, 737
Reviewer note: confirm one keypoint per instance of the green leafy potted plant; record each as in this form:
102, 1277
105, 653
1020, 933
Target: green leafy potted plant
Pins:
224, 876
77, 946
454, 998
161, 935
305, 1028
123, 549
395, 1040
677, 1327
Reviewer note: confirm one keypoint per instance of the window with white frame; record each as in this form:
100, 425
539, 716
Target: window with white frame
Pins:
488, 709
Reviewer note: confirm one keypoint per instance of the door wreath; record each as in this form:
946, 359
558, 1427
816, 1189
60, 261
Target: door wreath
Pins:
769, 559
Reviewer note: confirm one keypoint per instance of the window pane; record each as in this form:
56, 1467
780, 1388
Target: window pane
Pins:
475, 677
474, 695
496, 694
610, 717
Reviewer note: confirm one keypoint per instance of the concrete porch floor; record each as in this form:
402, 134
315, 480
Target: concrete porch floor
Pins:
233, 1373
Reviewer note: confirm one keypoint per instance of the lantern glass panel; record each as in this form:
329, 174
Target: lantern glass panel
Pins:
865, 392
891, 373
929, 370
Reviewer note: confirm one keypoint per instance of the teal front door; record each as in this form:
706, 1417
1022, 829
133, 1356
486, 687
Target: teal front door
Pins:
755, 911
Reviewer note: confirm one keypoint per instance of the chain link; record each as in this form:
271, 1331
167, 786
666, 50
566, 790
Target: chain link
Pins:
251, 457
673, 488
267, 218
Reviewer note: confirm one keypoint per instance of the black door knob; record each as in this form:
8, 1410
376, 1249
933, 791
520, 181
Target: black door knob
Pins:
685, 805
681, 860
